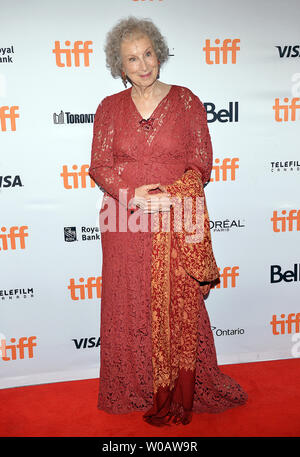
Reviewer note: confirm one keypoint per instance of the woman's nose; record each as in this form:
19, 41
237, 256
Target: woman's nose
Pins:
143, 65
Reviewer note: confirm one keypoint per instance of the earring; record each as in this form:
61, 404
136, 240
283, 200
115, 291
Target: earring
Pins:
158, 73
124, 79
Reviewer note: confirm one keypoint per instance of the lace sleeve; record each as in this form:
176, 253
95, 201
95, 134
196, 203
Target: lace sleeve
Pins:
199, 147
102, 169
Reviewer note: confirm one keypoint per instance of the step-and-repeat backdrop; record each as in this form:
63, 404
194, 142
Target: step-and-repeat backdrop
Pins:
242, 59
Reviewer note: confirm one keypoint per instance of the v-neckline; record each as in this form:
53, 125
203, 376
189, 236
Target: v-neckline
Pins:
158, 105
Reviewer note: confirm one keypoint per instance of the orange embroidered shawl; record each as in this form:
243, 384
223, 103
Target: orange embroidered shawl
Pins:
174, 256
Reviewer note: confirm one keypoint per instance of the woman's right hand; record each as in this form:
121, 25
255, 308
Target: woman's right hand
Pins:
152, 202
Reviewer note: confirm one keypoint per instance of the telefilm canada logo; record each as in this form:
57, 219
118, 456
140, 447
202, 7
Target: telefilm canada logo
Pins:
285, 166
12, 294
84, 234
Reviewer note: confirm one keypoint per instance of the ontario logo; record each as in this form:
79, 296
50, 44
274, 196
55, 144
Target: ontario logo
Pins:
227, 332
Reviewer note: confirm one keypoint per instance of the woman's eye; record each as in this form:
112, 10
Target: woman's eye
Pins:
148, 53
132, 59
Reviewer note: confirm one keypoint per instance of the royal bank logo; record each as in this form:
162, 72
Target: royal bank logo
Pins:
85, 234
226, 225
71, 118
285, 166
6, 54
10, 294
70, 234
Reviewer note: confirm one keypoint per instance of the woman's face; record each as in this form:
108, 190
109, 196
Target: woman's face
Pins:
139, 61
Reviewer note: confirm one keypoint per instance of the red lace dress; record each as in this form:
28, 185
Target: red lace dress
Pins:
127, 153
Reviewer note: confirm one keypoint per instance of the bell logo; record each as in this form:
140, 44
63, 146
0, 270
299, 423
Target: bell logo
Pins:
14, 351
228, 273
85, 290
282, 325
223, 50
8, 240
286, 108
80, 47
75, 179
288, 276
290, 222
221, 171
7, 112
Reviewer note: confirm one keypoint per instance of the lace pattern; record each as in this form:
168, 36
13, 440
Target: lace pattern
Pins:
125, 156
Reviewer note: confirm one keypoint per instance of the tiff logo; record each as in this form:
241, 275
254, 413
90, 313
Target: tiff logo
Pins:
75, 179
227, 47
220, 171
282, 325
290, 222
286, 109
8, 112
17, 350
228, 275
8, 240
80, 47
85, 290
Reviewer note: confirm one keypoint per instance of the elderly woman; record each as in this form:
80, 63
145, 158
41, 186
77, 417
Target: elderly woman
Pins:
149, 141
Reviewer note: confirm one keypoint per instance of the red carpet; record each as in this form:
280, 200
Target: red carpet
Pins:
69, 409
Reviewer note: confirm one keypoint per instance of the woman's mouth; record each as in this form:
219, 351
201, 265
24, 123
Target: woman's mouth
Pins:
146, 76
